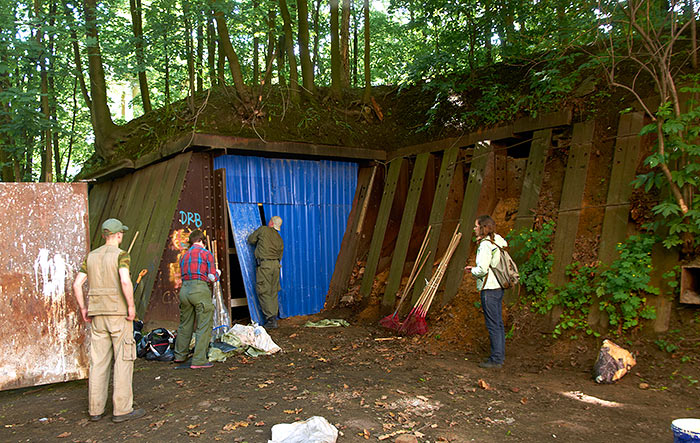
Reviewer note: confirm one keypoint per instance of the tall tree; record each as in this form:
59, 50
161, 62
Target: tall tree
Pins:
289, 46
307, 69
137, 27
256, 45
336, 83
230, 53
103, 126
345, 45
271, 38
366, 96
47, 149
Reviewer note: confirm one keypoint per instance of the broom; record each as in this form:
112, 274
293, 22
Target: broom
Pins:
415, 322
392, 321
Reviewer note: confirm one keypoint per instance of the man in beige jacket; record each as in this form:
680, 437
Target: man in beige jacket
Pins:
111, 311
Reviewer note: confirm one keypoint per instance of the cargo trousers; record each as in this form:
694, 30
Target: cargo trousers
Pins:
267, 286
111, 337
195, 304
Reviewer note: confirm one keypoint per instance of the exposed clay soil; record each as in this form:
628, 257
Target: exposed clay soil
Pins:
370, 383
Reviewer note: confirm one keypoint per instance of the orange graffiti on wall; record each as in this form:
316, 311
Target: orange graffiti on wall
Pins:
178, 242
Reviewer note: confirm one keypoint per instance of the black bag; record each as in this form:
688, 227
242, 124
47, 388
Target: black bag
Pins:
157, 345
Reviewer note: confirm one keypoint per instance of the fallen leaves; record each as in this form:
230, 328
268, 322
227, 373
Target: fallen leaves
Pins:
483, 385
157, 424
293, 411
228, 427
64, 435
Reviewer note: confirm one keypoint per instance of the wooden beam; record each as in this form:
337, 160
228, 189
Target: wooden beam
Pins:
375, 248
543, 121
318, 150
348, 248
403, 239
571, 200
437, 214
530, 194
625, 162
472, 195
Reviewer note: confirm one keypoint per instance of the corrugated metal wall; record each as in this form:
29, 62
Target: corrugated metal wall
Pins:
314, 199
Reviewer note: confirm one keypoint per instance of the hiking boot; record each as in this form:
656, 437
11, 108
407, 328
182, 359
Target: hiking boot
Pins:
271, 323
97, 417
136, 413
488, 364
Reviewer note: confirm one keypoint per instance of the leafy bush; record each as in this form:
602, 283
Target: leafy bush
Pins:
531, 251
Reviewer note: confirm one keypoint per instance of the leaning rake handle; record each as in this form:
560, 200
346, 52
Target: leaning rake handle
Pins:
133, 240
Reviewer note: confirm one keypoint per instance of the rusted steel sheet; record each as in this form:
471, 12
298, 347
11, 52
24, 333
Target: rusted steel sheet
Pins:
193, 210
42, 339
145, 201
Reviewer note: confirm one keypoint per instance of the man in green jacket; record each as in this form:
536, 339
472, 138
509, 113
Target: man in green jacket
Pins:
268, 253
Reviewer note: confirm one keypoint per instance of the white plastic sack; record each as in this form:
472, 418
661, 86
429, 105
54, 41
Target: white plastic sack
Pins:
255, 336
313, 430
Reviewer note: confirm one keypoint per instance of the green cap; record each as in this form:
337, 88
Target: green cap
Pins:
113, 226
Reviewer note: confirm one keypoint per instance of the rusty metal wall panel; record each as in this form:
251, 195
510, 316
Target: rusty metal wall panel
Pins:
42, 339
144, 201
193, 210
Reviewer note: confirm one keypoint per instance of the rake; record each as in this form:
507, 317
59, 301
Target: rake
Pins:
392, 321
415, 322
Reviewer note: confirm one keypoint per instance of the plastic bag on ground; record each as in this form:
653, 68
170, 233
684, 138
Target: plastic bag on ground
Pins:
313, 430
327, 323
613, 363
255, 336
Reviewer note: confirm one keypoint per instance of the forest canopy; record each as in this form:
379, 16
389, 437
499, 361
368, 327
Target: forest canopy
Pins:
72, 73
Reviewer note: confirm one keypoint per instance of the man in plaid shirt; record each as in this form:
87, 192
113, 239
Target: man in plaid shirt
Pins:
197, 269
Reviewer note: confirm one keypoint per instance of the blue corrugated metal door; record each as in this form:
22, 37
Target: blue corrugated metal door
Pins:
314, 199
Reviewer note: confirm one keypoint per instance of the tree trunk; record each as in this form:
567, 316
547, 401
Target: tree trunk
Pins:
7, 172
256, 45
77, 59
189, 53
233, 63
46, 138
103, 126
211, 52
200, 53
289, 46
335, 51
166, 70
316, 58
307, 68
72, 129
271, 33
220, 62
345, 45
137, 26
280, 61
366, 96
52, 93
355, 24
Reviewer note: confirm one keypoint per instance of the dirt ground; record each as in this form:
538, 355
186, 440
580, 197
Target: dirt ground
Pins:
373, 385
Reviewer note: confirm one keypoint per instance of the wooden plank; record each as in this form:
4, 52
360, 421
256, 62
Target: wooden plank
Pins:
530, 194
625, 161
375, 248
403, 239
437, 214
571, 200
348, 248
156, 233
543, 121
249, 144
472, 194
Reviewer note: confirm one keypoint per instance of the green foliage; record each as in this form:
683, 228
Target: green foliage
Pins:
531, 251
575, 299
620, 289
679, 133
624, 286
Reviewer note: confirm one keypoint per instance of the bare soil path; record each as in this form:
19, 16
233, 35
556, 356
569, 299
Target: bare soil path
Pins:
369, 389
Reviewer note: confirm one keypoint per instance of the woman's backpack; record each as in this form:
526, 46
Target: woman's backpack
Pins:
505, 271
